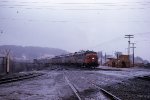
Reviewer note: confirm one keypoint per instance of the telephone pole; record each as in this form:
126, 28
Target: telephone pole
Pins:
101, 58
105, 57
7, 61
133, 47
129, 37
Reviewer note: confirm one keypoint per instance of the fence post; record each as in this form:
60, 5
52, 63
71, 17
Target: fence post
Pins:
7, 64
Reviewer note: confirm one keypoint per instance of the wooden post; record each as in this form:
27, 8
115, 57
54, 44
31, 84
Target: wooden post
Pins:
7, 64
7, 61
101, 58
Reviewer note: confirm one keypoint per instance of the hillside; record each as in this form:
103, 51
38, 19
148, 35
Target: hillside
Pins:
30, 52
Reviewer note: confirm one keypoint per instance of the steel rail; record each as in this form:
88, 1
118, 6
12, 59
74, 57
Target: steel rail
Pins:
18, 78
73, 88
147, 78
110, 95
105, 92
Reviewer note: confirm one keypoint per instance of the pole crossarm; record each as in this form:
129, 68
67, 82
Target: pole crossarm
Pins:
129, 37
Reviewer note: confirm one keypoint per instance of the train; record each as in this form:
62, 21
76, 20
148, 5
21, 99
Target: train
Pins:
82, 58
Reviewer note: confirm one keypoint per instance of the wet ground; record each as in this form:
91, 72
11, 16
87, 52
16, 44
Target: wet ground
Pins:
132, 89
53, 86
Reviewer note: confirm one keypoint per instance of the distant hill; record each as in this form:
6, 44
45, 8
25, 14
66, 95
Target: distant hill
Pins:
140, 60
30, 52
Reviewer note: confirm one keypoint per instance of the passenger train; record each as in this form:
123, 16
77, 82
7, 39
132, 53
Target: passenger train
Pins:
82, 58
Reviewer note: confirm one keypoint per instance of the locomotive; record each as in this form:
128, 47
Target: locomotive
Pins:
82, 58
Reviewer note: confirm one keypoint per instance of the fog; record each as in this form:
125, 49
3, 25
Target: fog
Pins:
74, 25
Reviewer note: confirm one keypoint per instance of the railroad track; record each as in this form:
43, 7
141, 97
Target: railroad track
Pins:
147, 78
105, 92
73, 88
19, 78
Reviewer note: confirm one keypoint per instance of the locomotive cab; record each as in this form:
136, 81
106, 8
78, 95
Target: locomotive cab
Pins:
91, 59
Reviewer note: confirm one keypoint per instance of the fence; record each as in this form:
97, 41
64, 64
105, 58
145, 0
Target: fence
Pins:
2, 65
15, 67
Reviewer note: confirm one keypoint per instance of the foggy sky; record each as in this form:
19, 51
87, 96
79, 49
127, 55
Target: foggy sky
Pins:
74, 25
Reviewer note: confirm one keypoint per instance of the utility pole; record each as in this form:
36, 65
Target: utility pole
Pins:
101, 58
129, 37
105, 57
117, 59
7, 61
133, 47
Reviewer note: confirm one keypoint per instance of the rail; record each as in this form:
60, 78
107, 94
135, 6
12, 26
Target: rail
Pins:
18, 78
105, 92
147, 78
73, 88
108, 94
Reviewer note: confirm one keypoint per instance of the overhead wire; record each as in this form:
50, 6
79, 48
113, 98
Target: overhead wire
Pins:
116, 4
27, 5
116, 39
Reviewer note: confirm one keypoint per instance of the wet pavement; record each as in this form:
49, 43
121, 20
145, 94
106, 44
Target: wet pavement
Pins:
53, 86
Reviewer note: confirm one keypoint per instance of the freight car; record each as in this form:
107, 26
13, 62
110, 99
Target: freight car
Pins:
83, 58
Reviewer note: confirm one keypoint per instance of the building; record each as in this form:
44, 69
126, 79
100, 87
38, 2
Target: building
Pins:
122, 61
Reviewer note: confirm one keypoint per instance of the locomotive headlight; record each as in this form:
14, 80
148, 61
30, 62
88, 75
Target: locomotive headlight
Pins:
93, 58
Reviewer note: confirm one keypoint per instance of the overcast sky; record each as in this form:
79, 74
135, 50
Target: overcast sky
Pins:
74, 25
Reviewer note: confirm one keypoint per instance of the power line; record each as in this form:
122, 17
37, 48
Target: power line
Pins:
106, 42
123, 5
142, 33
